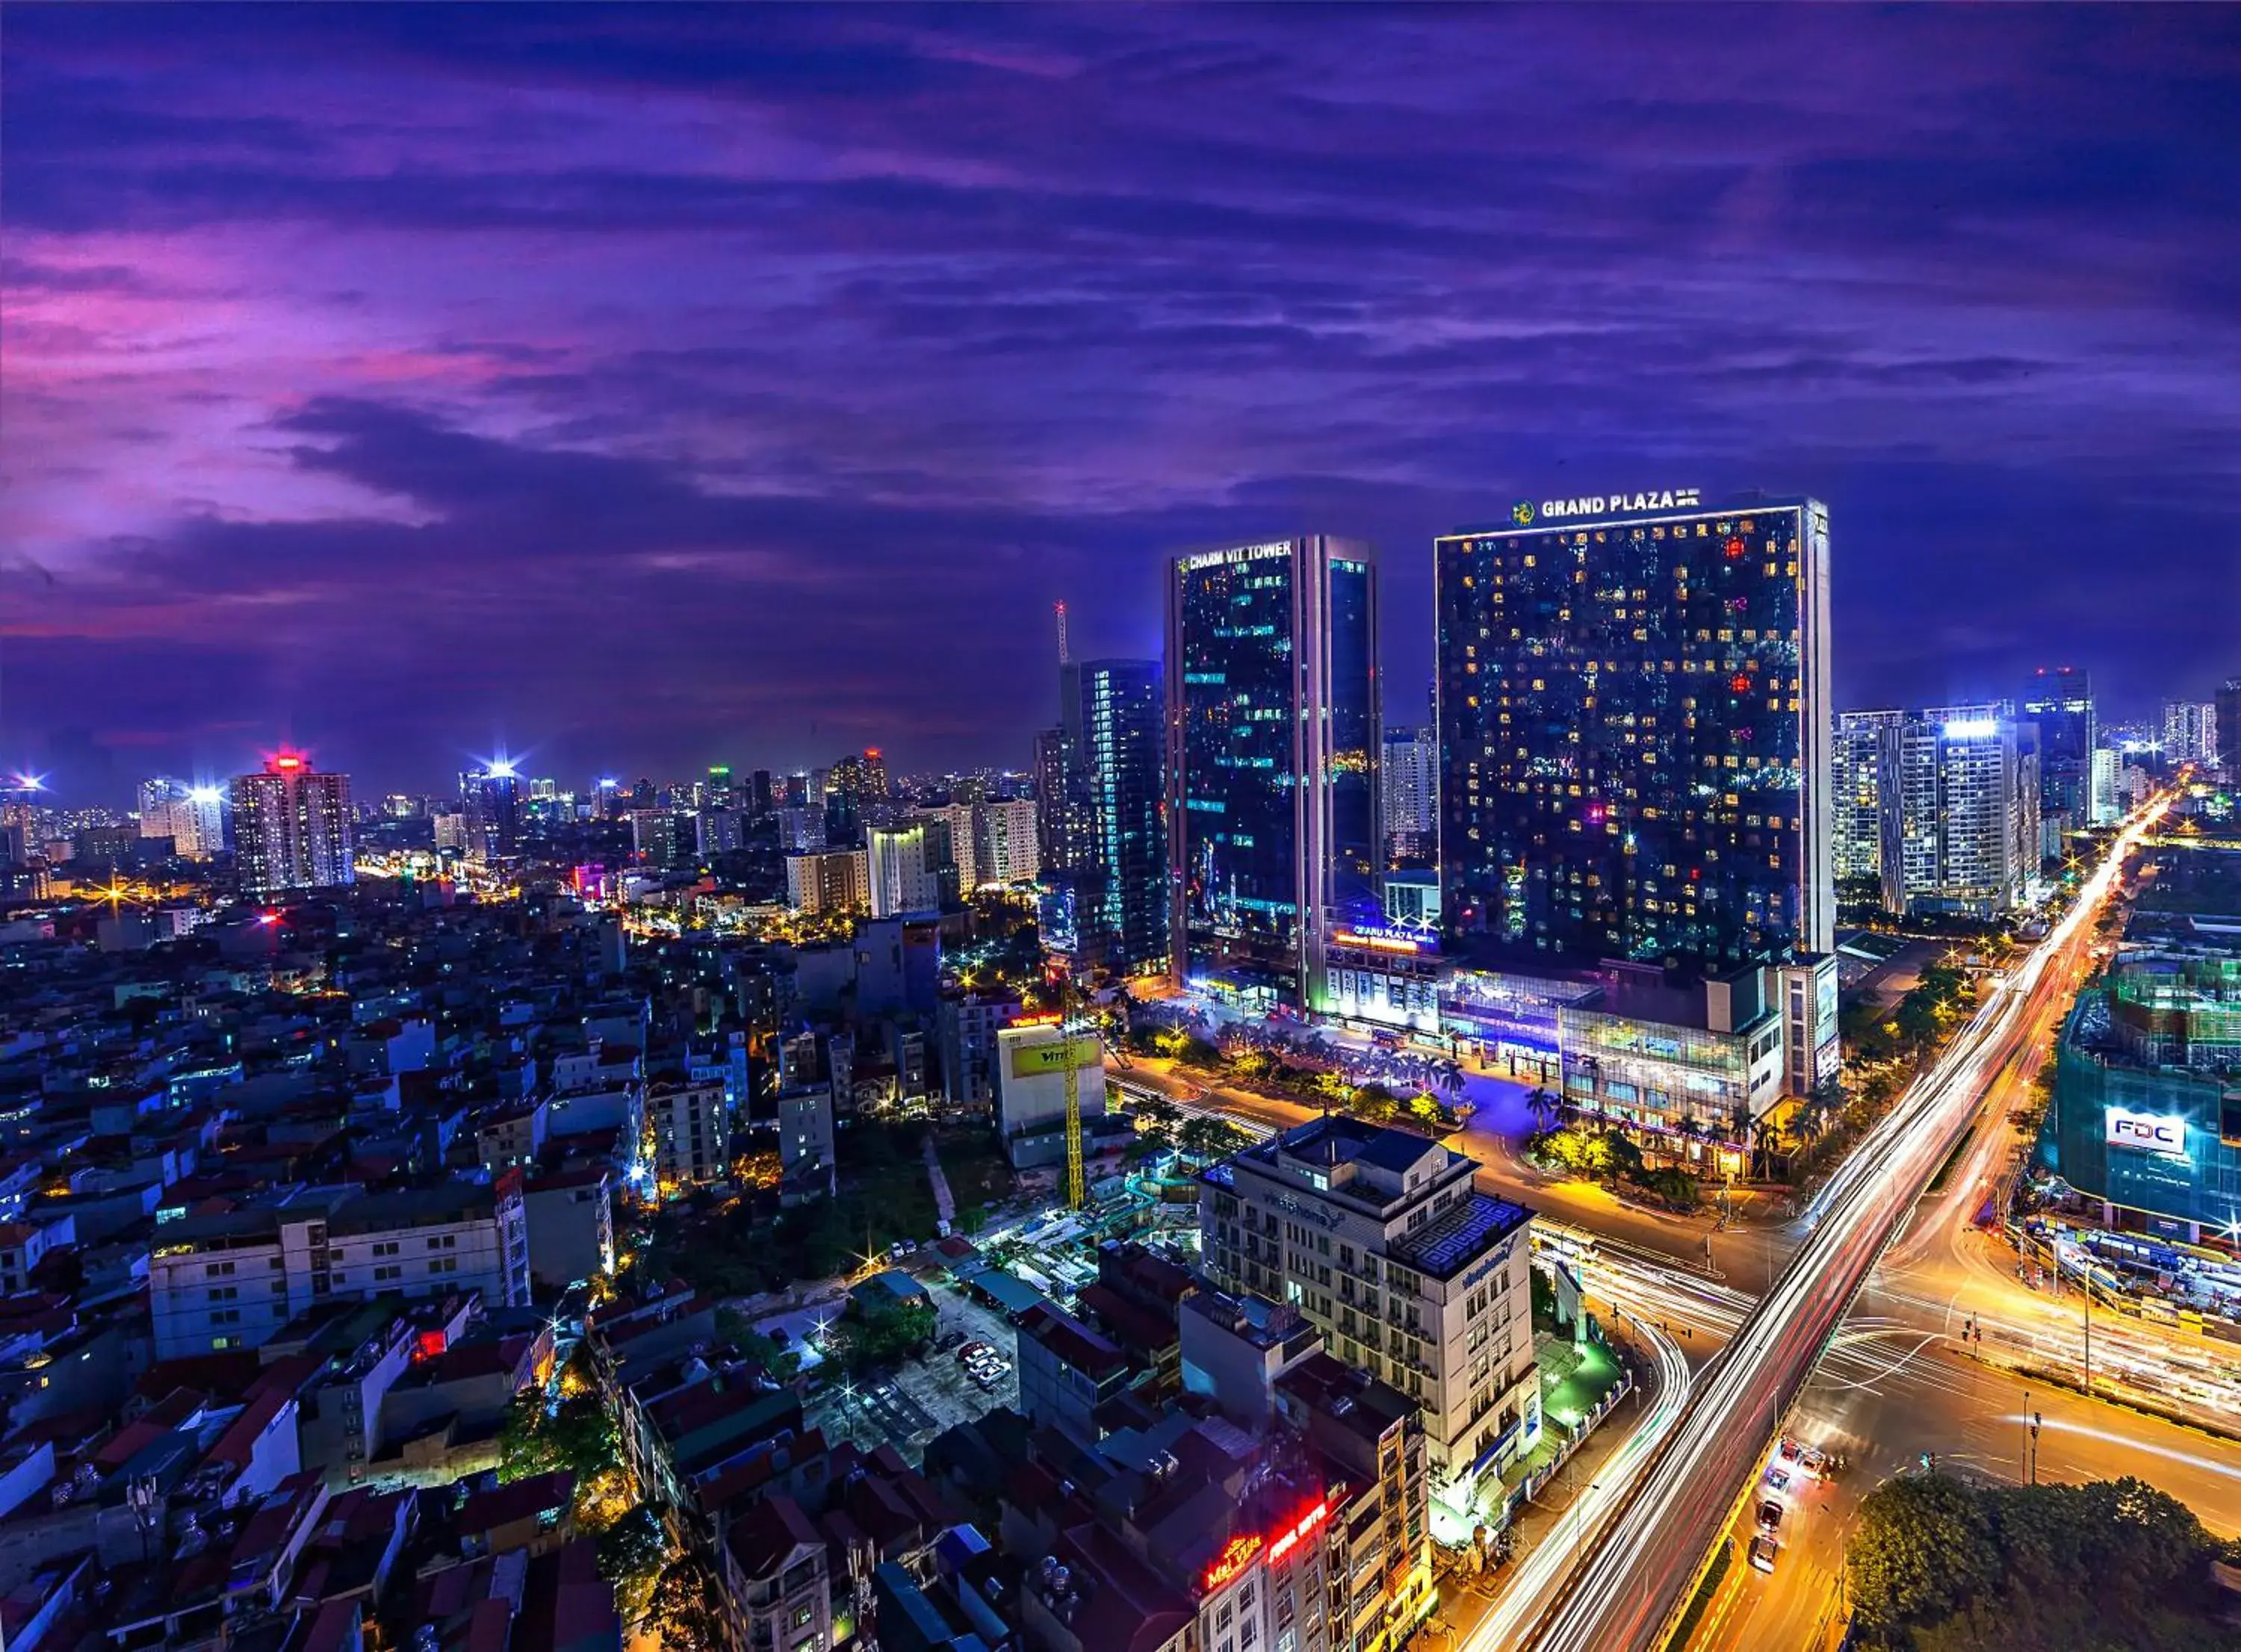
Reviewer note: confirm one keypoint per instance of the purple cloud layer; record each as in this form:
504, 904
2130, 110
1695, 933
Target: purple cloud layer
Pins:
651, 388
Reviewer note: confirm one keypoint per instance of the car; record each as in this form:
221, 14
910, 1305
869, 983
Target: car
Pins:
1790, 1450
1769, 1517
1779, 1477
1815, 1462
970, 1351
1763, 1551
955, 1338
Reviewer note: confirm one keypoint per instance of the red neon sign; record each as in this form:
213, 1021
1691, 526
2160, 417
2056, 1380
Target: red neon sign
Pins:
1301, 1527
1232, 1559
1036, 1021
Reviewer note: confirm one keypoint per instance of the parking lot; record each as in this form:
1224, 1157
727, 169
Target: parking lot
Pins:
910, 1405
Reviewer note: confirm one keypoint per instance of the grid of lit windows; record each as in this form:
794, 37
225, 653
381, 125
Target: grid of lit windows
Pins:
1272, 804
1625, 710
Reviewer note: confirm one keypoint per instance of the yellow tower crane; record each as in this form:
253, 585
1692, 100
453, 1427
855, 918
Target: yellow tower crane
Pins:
1070, 1026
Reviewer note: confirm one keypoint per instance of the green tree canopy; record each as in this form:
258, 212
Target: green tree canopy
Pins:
1923, 1550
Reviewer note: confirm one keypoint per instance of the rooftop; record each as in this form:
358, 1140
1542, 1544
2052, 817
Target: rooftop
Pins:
1445, 1247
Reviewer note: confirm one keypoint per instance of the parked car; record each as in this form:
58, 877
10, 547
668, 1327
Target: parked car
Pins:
1763, 1551
1815, 1461
970, 1351
1769, 1517
955, 1338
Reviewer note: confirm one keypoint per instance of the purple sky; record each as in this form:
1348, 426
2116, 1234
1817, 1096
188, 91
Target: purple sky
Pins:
641, 390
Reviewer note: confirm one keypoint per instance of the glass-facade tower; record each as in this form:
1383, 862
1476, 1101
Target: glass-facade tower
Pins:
1273, 742
1634, 733
1114, 736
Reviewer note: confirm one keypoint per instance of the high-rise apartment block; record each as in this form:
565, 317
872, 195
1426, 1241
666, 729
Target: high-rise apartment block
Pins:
1969, 801
1411, 780
192, 816
2190, 733
1864, 773
828, 881
1634, 732
1272, 696
912, 869
1005, 849
2104, 786
1412, 1275
291, 827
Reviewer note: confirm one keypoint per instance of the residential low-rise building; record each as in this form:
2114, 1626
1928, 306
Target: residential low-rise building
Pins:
232, 1278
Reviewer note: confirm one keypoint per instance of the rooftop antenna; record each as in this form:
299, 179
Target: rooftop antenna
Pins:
1065, 654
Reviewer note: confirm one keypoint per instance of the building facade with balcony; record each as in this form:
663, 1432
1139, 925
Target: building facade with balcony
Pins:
1379, 1238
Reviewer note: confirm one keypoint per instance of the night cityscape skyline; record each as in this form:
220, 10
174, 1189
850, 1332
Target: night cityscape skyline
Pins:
1094, 829
643, 391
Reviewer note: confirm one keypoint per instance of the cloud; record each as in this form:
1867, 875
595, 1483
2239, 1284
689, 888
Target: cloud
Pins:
662, 383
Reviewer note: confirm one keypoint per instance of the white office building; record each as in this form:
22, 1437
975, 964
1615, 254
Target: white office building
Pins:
1411, 1273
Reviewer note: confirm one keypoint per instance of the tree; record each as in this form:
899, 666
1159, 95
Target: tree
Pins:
682, 1614
1204, 1137
1546, 1106
631, 1555
885, 1335
1157, 1116
1923, 1550
577, 1434
1377, 1103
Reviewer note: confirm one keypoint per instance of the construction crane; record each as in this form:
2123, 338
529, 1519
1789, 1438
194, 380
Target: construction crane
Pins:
1076, 1192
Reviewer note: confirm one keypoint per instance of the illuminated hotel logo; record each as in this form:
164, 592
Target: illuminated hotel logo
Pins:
1232, 1559
1672, 499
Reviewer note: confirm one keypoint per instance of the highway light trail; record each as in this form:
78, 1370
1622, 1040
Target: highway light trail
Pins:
1536, 1577
1638, 1564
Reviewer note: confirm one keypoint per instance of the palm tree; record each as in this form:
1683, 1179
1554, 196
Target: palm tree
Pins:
1545, 1107
1766, 1141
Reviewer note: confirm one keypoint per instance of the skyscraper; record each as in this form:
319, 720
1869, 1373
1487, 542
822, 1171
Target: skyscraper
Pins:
1411, 782
2060, 700
1968, 811
490, 801
2229, 727
291, 827
1634, 732
1864, 770
1272, 778
1112, 738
